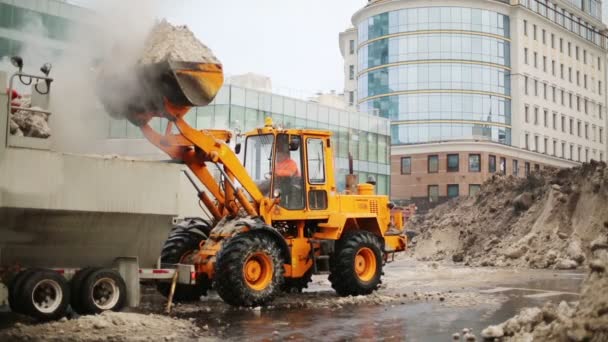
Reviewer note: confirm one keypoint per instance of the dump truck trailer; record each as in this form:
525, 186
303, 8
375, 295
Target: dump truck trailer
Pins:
68, 212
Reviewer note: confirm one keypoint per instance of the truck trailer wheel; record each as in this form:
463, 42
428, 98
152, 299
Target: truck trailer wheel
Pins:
14, 288
356, 264
249, 270
102, 290
184, 240
44, 295
76, 287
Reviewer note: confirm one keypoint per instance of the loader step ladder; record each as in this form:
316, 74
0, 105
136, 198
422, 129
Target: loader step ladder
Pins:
320, 260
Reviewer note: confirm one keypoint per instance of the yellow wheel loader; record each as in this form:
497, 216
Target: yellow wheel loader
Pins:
277, 215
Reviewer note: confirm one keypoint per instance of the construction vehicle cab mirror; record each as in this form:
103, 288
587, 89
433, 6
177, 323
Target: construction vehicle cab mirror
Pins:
237, 148
294, 144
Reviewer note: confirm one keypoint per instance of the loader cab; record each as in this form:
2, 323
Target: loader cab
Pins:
274, 161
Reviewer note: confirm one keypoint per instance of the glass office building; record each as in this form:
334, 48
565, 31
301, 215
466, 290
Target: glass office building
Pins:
37, 29
365, 136
438, 73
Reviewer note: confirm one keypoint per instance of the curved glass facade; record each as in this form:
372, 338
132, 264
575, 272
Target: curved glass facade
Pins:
425, 76
455, 46
439, 73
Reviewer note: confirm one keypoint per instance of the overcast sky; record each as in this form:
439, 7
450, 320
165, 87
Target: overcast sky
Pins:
295, 42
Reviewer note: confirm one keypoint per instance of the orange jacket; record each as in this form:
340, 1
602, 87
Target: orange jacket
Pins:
287, 168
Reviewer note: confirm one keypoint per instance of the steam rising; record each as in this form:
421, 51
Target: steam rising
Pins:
114, 34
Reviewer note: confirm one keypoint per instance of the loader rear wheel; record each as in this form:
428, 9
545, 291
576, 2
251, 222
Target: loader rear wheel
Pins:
249, 270
356, 264
182, 242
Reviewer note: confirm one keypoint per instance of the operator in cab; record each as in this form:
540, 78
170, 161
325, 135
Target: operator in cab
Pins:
285, 167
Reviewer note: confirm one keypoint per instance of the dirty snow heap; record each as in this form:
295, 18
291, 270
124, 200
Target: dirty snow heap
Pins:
550, 219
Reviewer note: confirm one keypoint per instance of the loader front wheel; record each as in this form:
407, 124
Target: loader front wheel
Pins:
249, 270
356, 265
182, 242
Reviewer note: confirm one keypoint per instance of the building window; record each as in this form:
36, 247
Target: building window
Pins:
587, 131
571, 126
525, 27
599, 112
570, 74
526, 85
535, 87
453, 163
602, 156
536, 167
563, 98
474, 163
527, 142
599, 87
527, 113
351, 72
433, 164
578, 129
601, 135
544, 64
553, 68
585, 56
351, 98
569, 49
563, 150
433, 193
544, 37
534, 31
563, 124
599, 64
351, 46
571, 152
561, 70
536, 115
585, 81
552, 41
453, 190
526, 55
587, 155
579, 154
527, 169
546, 146
474, 189
546, 118
492, 163
555, 121
535, 59
561, 45
515, 167
406, 165
503, 165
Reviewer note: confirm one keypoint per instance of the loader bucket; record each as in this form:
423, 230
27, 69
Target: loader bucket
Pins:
182, 84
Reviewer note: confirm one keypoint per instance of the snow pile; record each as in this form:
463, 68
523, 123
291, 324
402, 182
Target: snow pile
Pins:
551, 219
175, 43
586, 320
28, 123
108, 326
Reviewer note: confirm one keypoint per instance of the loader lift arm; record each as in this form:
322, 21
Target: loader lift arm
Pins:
195, 148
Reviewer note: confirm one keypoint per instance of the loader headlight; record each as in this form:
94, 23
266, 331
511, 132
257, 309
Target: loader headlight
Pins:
46, 68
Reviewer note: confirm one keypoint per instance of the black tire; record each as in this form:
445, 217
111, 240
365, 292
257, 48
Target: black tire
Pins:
343, 274
102, 290
44, 283
15, 286
183, 240
230, 280
76, 287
